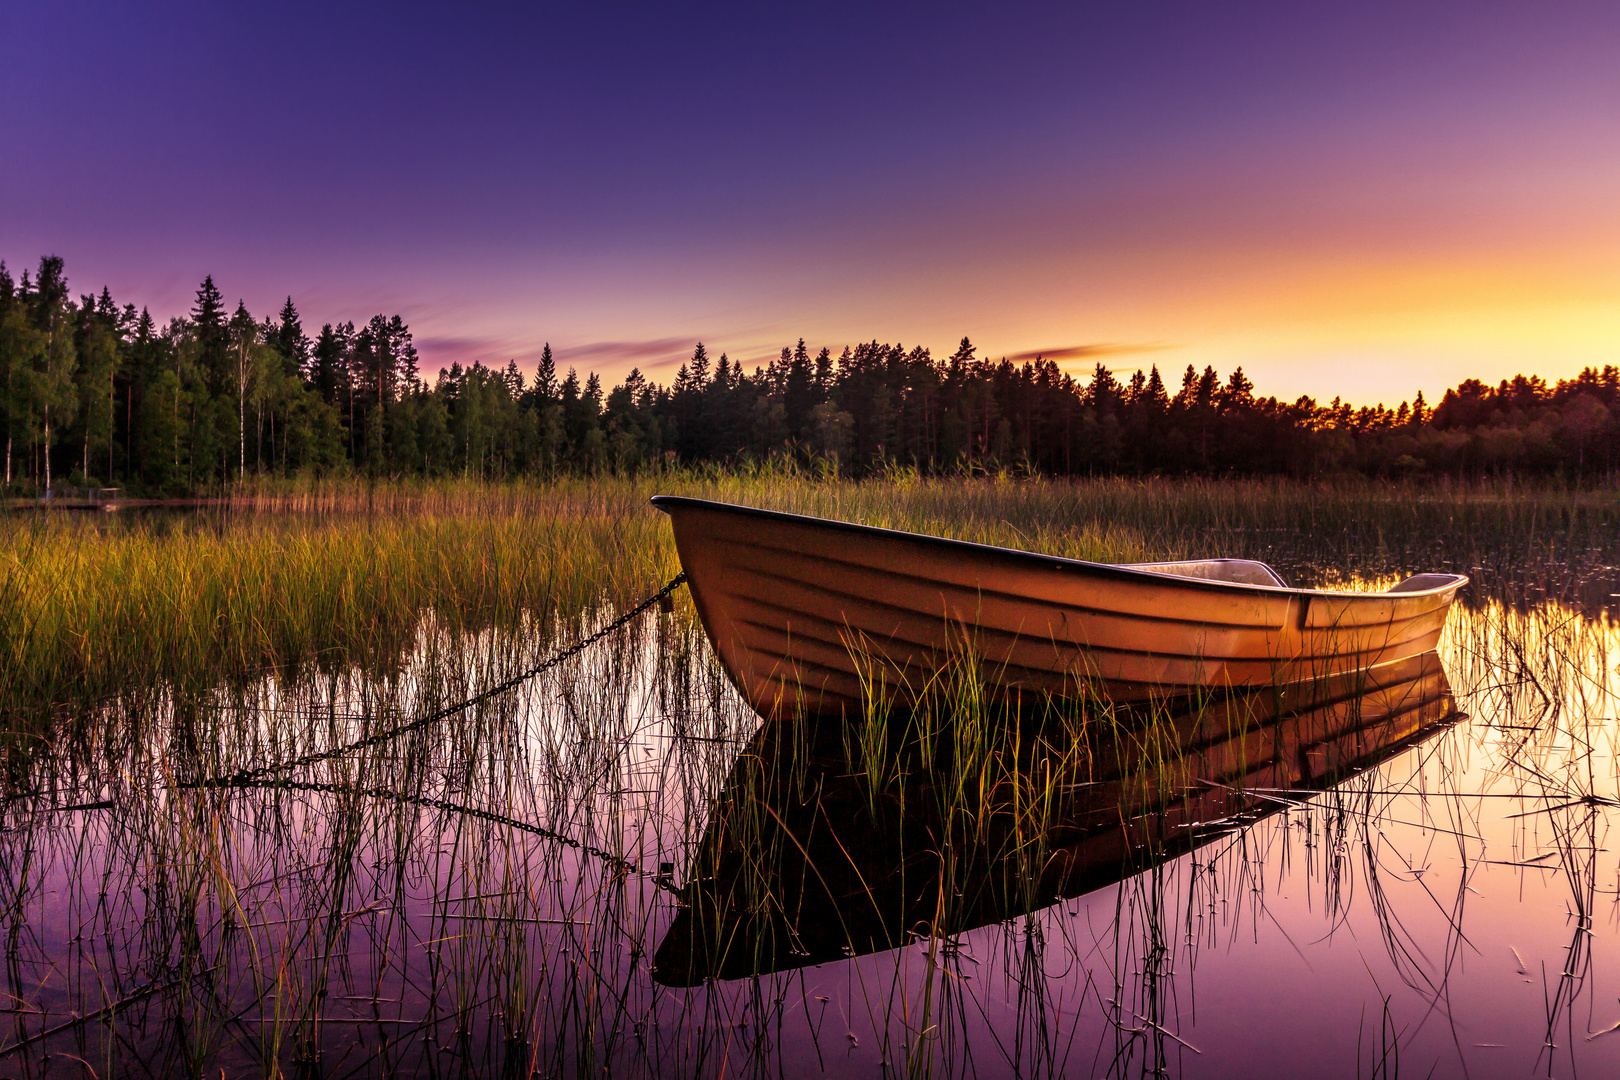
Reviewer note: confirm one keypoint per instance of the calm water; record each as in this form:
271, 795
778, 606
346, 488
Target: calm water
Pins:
1449, 909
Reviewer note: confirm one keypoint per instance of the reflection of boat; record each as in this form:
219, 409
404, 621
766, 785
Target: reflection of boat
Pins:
805, 861
787, 600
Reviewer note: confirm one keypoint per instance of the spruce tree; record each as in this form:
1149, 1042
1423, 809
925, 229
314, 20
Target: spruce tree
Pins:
823, 374
1188, 395
329, 363
244, 333
699, 367
212, 336
404, 352
797, 393
1239, 391
1209, 385
289, 340
20, 342
544, 388
97, 344
1156, 396
53, 368
962, 358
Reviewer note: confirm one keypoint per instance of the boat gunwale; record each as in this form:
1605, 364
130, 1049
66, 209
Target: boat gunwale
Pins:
1056, 562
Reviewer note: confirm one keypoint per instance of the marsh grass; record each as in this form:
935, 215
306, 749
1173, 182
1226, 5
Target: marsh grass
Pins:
317, 930
304, 574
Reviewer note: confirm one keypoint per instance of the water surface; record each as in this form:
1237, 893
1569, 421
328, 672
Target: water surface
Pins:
491, 893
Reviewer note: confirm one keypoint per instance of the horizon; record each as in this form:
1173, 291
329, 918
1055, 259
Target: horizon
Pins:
1080, 363
1362, 202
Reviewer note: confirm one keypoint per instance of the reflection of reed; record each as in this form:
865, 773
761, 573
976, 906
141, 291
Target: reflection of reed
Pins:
832, 842
268, 930
1546, 682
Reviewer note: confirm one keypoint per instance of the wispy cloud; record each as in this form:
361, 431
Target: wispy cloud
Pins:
619, 352
444, 350
591, 356
1093, 351
455, 344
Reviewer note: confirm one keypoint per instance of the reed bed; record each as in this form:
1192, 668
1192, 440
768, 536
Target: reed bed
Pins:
499, 892
332, 574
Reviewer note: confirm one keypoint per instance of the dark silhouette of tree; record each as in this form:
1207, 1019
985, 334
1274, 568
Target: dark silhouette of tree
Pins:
97, 393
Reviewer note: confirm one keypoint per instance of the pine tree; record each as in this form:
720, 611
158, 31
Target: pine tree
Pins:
1104, 393
1239, 391
329, 363
141, 368
1155, 396
1187, 396
400, 356
699, 367
961, 359
53, 382
21, 343
824, 365
1209, 385
797, 396
289, 340
244, 333
406, 361
544, 387
97, 344
212, 335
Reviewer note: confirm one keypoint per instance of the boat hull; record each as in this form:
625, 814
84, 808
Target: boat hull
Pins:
808, 614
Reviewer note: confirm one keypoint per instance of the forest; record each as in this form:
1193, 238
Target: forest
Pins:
94, 394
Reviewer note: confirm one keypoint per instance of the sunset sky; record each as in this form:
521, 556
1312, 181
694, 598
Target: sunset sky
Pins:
1361, 199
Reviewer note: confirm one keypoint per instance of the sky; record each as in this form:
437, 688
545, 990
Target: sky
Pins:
1363, 199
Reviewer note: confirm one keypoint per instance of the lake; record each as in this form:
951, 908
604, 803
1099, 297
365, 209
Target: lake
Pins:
613, 869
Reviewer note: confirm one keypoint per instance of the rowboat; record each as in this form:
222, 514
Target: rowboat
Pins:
800, 864
807, 614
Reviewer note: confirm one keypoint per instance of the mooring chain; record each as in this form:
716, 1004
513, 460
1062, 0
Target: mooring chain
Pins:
247, 776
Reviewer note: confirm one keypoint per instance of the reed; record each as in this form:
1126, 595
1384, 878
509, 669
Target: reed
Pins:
329, 929
334, 574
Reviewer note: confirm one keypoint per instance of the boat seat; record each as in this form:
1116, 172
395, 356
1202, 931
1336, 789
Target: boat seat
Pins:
1238, 571
1419, 582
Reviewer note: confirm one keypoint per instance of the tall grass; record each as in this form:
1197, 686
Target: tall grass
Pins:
333, 574
90, 610
324, 928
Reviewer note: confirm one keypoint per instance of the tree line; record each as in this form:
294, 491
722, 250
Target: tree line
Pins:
92, 393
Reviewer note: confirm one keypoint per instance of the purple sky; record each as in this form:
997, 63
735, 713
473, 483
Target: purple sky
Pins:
1367, 199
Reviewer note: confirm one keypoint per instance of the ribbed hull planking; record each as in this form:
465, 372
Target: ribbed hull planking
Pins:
803, 611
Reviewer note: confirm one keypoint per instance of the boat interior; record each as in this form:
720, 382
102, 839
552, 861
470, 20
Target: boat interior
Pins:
1250, 572
1237, 571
